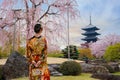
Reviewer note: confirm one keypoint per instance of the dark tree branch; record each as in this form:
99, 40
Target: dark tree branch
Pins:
44, 13
39, 3
47, 12
32, 2
53, 13
35, 5
5, 24
27, 11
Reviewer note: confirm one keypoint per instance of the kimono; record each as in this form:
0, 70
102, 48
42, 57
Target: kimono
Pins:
36, 53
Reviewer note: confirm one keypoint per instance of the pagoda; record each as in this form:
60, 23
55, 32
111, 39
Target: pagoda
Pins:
90, 33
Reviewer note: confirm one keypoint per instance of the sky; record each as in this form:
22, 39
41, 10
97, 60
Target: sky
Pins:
105, 15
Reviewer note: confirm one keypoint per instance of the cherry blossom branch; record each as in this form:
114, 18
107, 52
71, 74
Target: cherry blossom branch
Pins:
39, 3
35, 5
27, 17
5, 24
32, 2
44, 13
53, 13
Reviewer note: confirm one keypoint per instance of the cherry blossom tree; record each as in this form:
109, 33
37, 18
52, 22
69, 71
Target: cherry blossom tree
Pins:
98, 48
50, 13
9, 19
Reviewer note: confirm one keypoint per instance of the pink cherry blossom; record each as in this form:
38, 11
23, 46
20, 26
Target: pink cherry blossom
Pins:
98, 48
50, 13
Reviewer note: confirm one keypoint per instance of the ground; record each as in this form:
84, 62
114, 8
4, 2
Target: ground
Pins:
50, 60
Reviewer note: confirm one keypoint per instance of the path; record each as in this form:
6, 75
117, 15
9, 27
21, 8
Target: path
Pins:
50, 60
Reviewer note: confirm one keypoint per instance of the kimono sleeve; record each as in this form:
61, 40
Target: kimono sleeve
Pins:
28, 50
45, 50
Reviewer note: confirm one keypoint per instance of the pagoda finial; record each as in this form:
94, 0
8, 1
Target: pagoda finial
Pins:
90, 19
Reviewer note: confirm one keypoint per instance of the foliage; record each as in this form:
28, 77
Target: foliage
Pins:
55, 53
4, 52
74, 54
117, 73
21, 50
111, 70
85, 52
99, 47
112, 53
70, 68
58, 55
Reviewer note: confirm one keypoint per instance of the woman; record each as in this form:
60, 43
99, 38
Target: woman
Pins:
37, 55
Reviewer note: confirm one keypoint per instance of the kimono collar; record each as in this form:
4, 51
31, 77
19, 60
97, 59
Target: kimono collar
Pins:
38, 36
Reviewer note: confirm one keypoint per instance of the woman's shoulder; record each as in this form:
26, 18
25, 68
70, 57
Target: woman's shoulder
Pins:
31, 38
43, 38
34, 38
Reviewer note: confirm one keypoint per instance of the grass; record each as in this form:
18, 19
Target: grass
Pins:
83, 76
58, 55
116, 73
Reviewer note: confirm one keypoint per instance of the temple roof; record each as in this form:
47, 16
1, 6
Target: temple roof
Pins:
90, 33
89, 27
89, 39
86, 38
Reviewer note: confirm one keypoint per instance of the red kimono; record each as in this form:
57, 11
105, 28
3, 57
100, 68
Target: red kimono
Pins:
37, 56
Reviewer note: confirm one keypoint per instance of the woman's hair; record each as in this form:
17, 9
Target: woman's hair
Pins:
37, 28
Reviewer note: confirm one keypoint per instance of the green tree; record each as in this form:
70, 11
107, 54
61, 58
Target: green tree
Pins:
112, 53
85, 52
74, 54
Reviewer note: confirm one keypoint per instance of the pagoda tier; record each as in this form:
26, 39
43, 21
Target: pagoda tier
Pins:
90, 33
90, 27
89, 39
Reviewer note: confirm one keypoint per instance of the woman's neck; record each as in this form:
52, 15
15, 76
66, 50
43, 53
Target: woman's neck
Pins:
38, 35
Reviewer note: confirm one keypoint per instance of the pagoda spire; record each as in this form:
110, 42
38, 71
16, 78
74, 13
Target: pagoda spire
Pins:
90, 19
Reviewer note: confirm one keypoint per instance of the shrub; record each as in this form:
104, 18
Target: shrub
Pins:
112, 53
4, 52
21, 50
85, 52
70, 68
57, 54
111, 70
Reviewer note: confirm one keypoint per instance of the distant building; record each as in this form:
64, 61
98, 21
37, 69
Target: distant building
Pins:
90, 33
